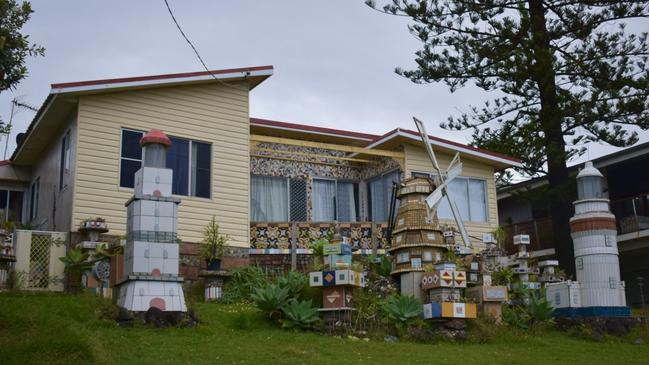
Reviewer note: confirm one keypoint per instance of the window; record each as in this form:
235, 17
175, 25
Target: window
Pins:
277, 199
33, 198
64, 166
469, 195
380, 195
11, 205
334, 200
190, 161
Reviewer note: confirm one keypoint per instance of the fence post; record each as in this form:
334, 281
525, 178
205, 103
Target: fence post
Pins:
294, 246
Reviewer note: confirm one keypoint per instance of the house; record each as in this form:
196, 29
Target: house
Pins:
269, 184
521, 209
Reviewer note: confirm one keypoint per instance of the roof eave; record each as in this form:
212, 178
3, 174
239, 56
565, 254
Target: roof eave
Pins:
110, 85
468, 151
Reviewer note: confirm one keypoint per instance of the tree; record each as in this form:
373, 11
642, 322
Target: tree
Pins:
14, 46
563, 72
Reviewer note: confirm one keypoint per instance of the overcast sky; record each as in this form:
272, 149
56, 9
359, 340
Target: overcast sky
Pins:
334, 60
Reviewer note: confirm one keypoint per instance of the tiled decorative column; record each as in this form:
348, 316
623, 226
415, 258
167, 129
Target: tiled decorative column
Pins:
152, 250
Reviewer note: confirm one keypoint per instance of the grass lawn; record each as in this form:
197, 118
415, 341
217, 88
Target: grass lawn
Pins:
64, 329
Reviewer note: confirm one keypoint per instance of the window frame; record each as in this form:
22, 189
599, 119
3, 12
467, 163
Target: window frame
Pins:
34, 196
8, 203
467, 178
189, 162
336, 205
65, 163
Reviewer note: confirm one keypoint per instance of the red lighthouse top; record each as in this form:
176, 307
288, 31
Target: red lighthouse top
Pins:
155, 136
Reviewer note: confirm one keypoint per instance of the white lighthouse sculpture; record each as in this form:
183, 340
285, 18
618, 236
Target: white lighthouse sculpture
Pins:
151, 255
598, 290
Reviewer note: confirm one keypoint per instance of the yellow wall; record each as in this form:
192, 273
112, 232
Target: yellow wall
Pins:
209, 113
417, 160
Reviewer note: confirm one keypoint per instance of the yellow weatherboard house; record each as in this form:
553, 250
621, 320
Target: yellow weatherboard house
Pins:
270, 185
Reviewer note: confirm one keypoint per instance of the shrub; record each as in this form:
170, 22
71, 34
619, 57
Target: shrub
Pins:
271, 298
242, 284
299, 314
502, 276
383, 267
294, 282
402, 310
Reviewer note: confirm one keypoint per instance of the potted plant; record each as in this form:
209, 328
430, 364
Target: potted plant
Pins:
211, 248
76, 262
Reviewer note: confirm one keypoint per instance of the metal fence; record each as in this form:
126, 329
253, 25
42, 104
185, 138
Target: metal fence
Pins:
37, 264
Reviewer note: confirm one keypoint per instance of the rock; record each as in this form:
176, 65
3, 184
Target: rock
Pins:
353, 338
455, 324
390, 338
124, 318
155, 316
639, 341
366, 339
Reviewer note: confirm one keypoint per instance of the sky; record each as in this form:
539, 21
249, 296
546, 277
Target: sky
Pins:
334, 60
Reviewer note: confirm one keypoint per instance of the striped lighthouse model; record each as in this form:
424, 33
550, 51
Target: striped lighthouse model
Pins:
151, 254
598, 290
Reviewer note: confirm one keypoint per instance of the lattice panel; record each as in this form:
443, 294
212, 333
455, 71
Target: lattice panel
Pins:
39, 261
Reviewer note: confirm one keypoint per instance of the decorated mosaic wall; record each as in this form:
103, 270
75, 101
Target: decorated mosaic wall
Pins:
305, 169
278, 235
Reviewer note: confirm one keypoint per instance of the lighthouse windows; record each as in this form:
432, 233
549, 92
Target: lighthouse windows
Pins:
612, 283
580, 263
608, 241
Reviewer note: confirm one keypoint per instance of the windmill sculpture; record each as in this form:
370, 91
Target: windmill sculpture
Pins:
442, 179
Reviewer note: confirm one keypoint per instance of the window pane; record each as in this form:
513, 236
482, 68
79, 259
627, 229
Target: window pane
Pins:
16, 206
201, 165
419, 174
346, 199
324, 200
131, 144
3, 205
377, 196
298, 200
178, 161
268, 199
458, 192
127, 171
477, 199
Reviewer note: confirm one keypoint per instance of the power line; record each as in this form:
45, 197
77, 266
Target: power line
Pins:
194, 48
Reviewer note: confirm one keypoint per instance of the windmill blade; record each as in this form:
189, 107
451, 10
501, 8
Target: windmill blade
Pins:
426, 140
436, 196
459, 222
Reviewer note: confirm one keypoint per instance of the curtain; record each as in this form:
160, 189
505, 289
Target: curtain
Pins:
324, 200
268, 199
378, 199
346, 202
477, 200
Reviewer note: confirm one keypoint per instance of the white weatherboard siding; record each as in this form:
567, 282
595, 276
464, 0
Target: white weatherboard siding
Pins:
417, 160
215, 114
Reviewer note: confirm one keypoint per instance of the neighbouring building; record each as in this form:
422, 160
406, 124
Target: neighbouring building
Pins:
269, 184
522, 210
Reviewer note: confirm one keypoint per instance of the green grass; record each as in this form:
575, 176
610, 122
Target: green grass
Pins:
63, 329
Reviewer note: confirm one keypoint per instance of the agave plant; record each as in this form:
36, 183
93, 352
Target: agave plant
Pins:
76, 262
539, 309
294, 282
402, 310
299, 314
271, 298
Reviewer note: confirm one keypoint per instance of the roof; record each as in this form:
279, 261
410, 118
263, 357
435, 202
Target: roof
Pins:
375, 140
499, 158
54, 108
313, 129
629, 153
156, 80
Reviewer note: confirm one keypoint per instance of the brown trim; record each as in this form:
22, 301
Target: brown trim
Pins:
591, 224
310, 128
158, 77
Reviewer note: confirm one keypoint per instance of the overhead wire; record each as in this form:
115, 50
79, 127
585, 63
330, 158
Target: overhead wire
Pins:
182, 33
